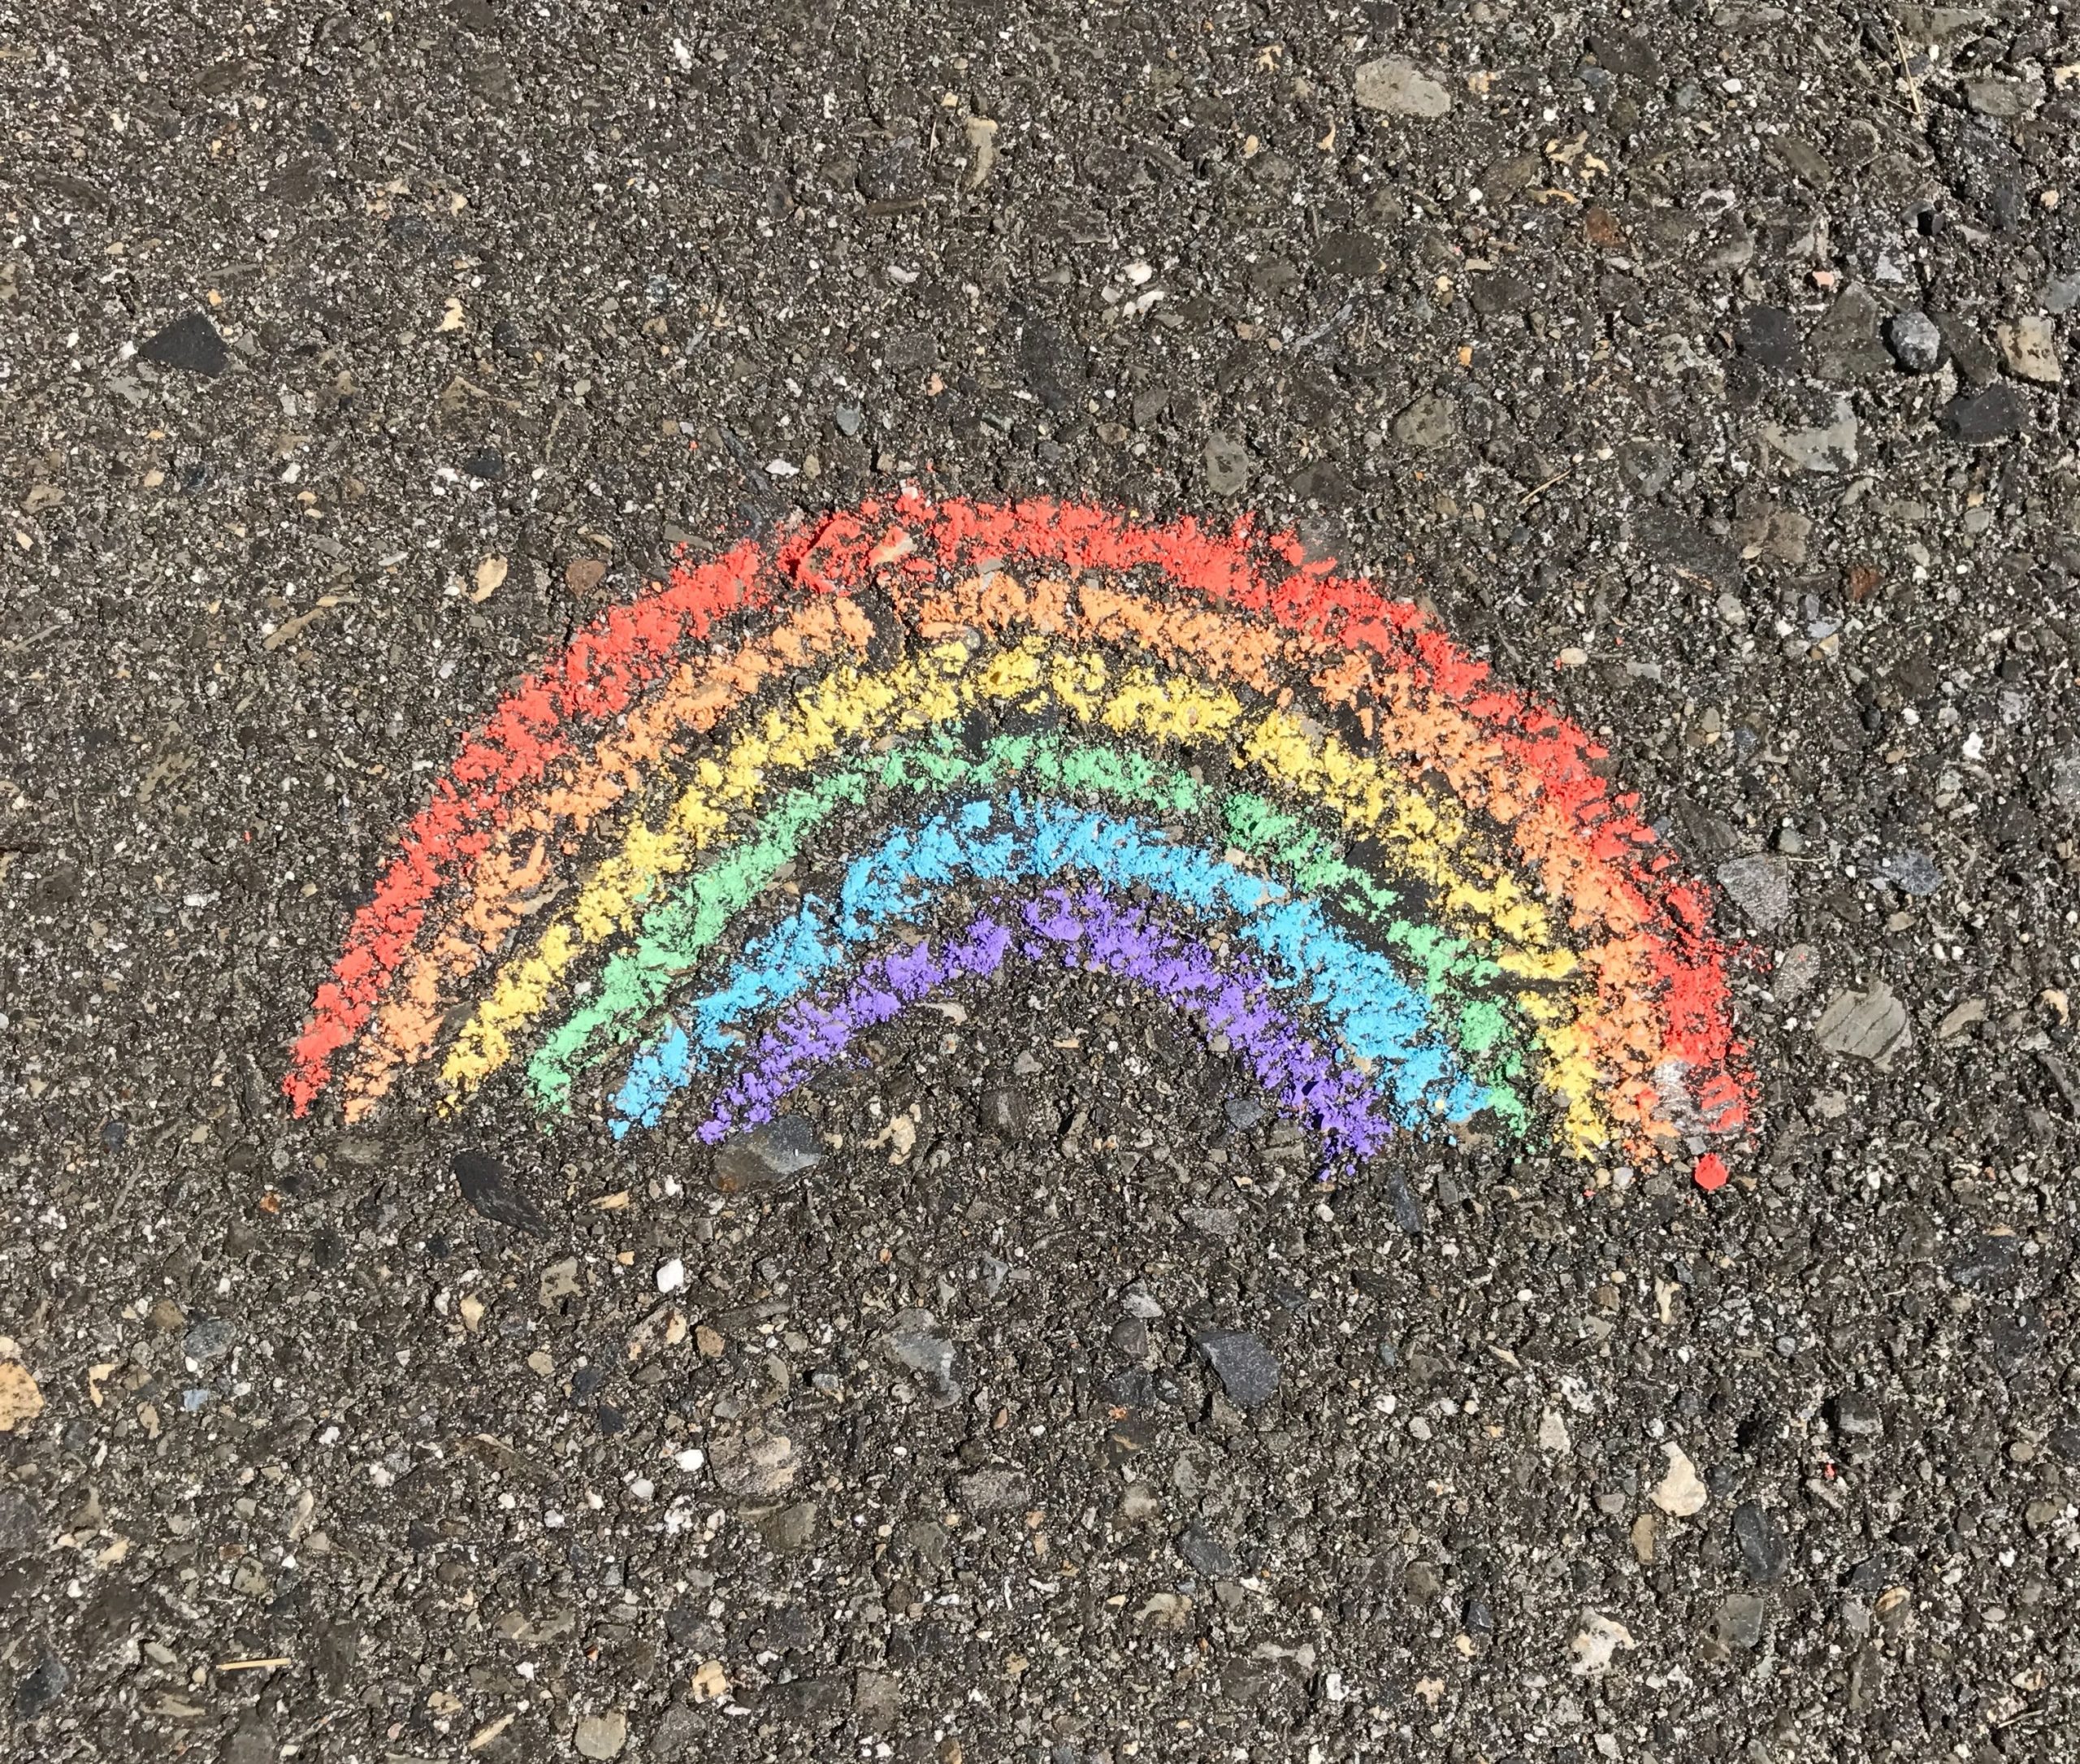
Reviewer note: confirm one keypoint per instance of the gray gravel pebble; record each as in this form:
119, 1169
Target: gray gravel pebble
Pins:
44, 1684
1760, 1539
1226, 465
1739, 1621
1864, 1025
776, 1151
21, 1527
1761, 888
208, 1341
911, 1343
1248, 1371
1913, 873
1207, 1555
1915, 341
1399, 87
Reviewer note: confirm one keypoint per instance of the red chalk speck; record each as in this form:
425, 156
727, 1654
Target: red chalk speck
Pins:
1710, 1172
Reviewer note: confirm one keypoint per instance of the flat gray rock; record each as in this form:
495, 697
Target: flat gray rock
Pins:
1248, 1371
1220, 1223
1761, 887
21, 1525
1206, 1554
252, 1741
787, 1530
1827, 447
1985, 416
1427, 422
912, 1343
1864, 1025
191, 344
1845, 344
208, 1340
992, 1491
767, 1155
1396, 87
1739, 1621
1759, 1538
1913, 873
1227, 465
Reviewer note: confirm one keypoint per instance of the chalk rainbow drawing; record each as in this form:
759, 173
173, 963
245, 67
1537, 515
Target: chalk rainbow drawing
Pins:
1274, 796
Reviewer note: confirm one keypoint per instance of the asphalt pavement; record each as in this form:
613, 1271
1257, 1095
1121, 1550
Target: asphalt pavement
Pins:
1025, 1391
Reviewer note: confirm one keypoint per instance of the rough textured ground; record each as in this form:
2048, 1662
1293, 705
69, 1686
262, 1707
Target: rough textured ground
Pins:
1710, 369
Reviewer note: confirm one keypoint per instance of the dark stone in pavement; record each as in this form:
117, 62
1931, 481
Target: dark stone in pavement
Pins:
1969, 348
1350, 254
1988, 1262
769, 1154
1768, 337
1739, 1623
1007, 1112
1489, 295
1761, 1541
252, 1741
1857, 1416
1994, 414
43, 1684
2017, 1337
208, 1339
490, 1189
1248, 1371
190, 344
1846, 347
21, 1527
1206, 1554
